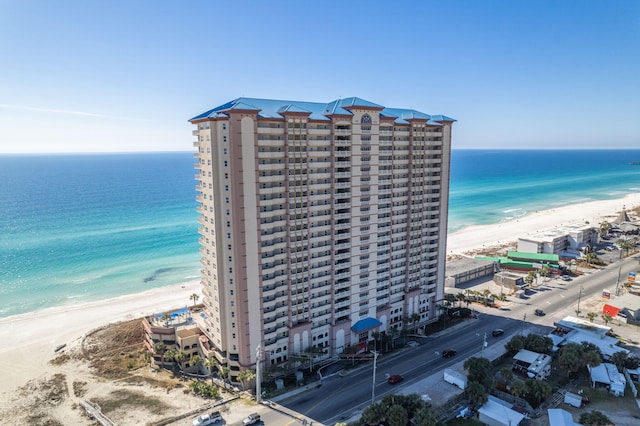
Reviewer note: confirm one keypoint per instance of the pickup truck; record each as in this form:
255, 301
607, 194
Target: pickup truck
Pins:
208, 419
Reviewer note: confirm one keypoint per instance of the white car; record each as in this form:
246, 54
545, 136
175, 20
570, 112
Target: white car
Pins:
208, 419
251, 419
412, 344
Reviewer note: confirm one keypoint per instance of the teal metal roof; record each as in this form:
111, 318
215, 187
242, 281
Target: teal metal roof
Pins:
272, 108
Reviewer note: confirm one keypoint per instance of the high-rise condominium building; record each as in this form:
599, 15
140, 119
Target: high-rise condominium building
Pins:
322, 224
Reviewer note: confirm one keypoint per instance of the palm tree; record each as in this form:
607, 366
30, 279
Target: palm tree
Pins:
246, 375
590, 258
449, 299
606, 318
486, 293
170, 355
211, 363
415, 317
160, 348
180, 357
591, 316
461, 298
545, 271
518, 388
604, 228
224, 372
166, 317
531, 277
196, 360
194, 297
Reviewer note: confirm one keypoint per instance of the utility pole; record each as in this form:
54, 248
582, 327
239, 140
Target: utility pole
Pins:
373, 385
523, 320
258, 387
618, 281
579, 297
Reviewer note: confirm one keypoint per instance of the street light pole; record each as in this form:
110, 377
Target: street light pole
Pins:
373, 385
523, 320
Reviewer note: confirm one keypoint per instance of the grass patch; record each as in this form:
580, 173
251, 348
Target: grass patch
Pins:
126, 399
167, 384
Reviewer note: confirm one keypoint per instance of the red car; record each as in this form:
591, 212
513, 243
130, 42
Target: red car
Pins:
396, 378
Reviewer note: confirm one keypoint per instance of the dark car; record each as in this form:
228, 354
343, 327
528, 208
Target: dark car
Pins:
497, 332
448, 353
396, 378
539, 312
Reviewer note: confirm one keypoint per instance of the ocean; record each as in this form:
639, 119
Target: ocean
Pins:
79, 228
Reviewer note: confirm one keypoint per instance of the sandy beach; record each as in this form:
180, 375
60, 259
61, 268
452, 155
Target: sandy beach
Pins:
29, 340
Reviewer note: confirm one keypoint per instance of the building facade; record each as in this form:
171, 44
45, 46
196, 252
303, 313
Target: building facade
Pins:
320, 224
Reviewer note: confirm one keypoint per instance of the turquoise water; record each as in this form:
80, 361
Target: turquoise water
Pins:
77, 228
489, 186
86, 227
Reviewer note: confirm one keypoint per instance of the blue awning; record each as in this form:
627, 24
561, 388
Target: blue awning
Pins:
365, 324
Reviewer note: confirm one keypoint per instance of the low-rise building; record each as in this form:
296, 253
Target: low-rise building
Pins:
461, 271
624, 308
510, 281
608, 375
567, 241
576, 330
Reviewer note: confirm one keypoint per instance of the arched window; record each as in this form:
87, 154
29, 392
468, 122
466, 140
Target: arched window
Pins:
365, 123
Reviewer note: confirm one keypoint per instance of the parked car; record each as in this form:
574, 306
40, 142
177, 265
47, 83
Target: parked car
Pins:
208, 419
497, 332
251, 419
539, 312
565, 278
412, 343
396, 378
448, 353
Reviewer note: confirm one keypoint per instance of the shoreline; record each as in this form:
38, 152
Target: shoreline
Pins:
29, 339
476, 237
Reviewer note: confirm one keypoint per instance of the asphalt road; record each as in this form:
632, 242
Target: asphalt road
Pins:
338, 398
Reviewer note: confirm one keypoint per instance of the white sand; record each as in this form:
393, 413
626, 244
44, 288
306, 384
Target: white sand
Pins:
478, 236
29, 340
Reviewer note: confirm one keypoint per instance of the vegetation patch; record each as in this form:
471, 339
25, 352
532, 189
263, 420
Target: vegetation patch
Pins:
79, 388
126, 399
116, 350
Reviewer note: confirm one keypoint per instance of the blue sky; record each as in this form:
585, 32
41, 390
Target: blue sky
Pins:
103, 76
